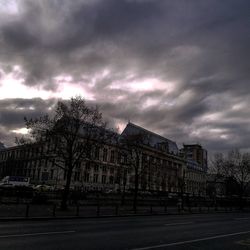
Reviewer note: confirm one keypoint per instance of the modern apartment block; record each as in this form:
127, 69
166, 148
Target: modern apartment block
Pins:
161, 166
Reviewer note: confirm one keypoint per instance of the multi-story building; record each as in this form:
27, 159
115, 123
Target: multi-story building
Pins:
161, 166
196, 171
31, 161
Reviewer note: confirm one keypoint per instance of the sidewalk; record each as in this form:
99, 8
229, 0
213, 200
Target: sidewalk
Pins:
45, 212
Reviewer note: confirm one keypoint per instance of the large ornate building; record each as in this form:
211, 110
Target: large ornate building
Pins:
161, 165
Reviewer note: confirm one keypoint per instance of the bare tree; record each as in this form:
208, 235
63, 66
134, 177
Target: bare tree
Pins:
234, 166
122, 173
69, 136
134, 144
237, 166
217, 171
217, 164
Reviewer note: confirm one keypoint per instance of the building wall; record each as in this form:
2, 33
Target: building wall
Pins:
196, 168
196, 182
109, 168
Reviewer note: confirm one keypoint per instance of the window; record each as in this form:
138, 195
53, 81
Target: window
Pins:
144, 158
112, 156
45, 176
105, 154
97, 150
46, 163
104, 168
38, 174
86, 177
41, 151
103, 179
119, 157
34, 173
78, 164
111, 179
77, 176
29, 172
151, 159
88, 154
87, 165
111, 170
52, 174
95, 180
158, 161
96, 168
125, 159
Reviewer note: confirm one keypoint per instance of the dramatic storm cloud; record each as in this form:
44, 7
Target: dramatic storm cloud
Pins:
179, 68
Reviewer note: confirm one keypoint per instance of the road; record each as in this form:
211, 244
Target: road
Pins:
200, 231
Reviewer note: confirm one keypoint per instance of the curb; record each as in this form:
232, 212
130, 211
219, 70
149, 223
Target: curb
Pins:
107, 216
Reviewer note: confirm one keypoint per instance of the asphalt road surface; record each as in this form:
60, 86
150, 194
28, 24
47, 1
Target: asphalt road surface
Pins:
206, 231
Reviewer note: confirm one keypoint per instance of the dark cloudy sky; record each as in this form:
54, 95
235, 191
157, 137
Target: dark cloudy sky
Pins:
180, 68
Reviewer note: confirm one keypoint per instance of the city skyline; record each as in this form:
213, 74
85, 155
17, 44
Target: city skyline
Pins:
180, 69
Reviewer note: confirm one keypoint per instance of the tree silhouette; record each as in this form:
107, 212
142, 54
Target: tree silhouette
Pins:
235, 166
134, 144
69, 135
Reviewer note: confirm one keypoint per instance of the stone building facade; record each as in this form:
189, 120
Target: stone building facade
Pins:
162, 167
196, 168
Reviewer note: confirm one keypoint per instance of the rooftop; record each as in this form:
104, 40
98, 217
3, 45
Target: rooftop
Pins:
154, 139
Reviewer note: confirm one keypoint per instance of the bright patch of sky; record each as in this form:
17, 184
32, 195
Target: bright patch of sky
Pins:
22, 131
14, 87
8, 6
148, 84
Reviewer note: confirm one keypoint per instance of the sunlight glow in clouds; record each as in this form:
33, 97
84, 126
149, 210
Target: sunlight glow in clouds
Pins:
22, 131
66, 91
177, 67
8, 6
211, 132
145, 85
11, 87
211, 117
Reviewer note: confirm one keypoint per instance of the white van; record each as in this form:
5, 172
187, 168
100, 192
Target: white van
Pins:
15, 181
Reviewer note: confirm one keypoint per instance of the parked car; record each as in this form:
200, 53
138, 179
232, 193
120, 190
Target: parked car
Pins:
43, 188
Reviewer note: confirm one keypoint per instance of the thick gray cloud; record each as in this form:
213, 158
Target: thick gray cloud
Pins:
13, 111
198, 51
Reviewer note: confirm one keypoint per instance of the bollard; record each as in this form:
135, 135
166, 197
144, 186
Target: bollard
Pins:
165, 207
54, 210
116, 209
77, 209
135, 210
27, 210
98, 210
